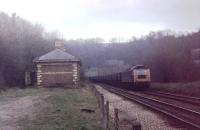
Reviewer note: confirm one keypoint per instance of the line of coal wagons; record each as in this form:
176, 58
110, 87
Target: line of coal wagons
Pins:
137, 77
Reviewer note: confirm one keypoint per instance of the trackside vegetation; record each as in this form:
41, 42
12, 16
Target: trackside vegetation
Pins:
191, 89
62, 111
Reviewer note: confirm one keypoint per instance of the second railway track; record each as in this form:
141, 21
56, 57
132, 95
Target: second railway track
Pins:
185, 115
187, 99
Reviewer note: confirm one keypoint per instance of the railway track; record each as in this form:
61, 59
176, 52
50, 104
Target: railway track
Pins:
187, 116
188, 99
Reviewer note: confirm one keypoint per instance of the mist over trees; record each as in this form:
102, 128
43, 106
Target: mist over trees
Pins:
168, 55
20, 42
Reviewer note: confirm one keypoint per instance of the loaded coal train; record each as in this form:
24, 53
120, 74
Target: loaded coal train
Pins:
136, 78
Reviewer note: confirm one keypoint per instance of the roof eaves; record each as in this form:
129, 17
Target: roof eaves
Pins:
53, 61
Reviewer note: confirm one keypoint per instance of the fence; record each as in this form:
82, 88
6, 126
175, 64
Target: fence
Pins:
105, 115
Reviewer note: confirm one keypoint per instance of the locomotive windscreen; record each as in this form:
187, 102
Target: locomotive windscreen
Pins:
141, 71
140, 67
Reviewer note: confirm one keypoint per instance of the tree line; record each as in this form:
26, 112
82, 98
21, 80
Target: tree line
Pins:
20, 42
167, 54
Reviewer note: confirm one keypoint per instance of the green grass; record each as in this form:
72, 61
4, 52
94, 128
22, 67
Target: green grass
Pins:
191, 89
13, 93
63, 111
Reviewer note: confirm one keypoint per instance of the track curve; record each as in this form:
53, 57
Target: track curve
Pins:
188, 116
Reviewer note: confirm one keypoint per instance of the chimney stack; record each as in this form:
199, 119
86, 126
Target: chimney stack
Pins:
59, 44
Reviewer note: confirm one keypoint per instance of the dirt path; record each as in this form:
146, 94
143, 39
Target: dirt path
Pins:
14, 109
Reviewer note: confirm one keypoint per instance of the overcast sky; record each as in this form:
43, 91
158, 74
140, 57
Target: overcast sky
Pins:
108, 18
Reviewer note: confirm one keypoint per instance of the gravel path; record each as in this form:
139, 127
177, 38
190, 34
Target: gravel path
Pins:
148, 119
13, 110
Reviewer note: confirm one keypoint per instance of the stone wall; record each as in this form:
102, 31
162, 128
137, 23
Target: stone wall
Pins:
58, 74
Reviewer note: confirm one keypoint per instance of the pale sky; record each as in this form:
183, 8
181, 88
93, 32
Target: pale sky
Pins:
108, 18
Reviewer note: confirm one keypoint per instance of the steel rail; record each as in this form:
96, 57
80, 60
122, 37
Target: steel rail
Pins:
166, 108
188, 99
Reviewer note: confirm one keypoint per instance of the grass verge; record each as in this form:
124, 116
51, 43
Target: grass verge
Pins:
63, 111
191, 89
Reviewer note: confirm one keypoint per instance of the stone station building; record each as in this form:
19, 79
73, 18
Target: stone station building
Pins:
57, 68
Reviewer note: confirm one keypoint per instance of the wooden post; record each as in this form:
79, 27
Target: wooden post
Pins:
98, 99
28, 78
95, 91
107, 115
92, 87
102, 108
116, 119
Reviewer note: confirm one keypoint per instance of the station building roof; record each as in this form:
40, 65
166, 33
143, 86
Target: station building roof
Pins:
56, 55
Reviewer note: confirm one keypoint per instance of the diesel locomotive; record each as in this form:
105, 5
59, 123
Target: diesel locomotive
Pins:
137, 77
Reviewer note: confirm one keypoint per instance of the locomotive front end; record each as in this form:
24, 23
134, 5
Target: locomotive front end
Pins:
141, 76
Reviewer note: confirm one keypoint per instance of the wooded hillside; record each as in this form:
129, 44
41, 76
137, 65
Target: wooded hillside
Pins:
168, 55
20, 42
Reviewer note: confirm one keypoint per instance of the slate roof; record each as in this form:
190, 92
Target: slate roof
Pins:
56, 56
